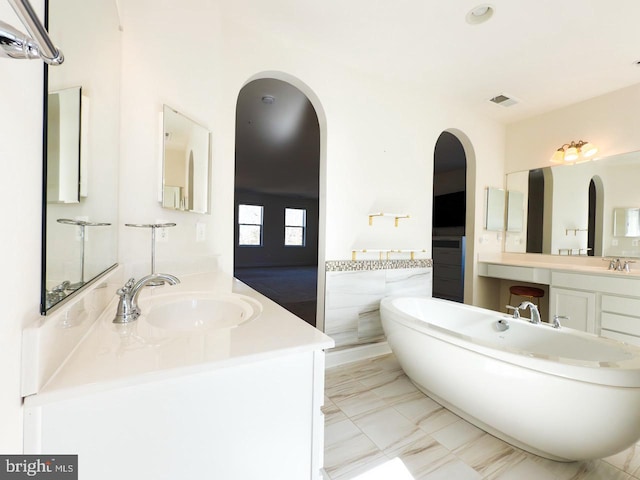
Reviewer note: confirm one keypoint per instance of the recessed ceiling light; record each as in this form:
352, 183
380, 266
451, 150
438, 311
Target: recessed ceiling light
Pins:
479, 14
268, 99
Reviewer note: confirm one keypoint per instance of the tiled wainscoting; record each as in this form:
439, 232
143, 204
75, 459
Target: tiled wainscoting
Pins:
354, 290
374, 414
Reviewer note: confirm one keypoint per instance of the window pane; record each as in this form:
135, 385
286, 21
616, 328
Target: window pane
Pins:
294, 217
294, 236
251, 214
249, 235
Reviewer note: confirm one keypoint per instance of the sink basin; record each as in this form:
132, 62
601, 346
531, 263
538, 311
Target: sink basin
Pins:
200, 312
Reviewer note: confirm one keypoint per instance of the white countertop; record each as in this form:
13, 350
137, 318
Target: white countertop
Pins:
568, 263
112, 355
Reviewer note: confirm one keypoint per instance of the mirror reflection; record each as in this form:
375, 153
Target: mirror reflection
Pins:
585, 209
80, 187
186, 163
494, 219
64, 110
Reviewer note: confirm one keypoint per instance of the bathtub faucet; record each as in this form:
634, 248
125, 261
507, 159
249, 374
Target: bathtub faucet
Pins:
535, 314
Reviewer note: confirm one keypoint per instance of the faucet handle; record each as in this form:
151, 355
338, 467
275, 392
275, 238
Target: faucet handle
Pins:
516, 311
627, 265
126, 289
556, 320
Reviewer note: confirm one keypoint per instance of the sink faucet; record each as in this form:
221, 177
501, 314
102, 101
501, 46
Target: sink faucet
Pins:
128, 310
535, 314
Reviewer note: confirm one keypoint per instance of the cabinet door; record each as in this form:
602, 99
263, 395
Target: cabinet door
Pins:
578, 305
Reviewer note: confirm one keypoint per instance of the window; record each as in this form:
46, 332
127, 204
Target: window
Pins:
250, 225
295, 222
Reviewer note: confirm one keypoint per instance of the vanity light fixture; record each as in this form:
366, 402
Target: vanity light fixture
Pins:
15, 44
574, 152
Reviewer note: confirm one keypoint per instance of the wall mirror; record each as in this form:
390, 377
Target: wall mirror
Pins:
515, 212
64, 111
80, 226
577, 207
186, 163
495, 202
626, 222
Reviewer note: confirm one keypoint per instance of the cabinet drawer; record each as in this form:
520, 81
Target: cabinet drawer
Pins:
623, 305
621, 337
620, 323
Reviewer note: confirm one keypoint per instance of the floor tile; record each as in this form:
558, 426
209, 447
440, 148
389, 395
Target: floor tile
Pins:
422, 456
454, 469
374, 414
387, 428
457, 434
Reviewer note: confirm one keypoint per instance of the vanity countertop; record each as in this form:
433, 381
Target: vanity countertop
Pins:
566, 263
112, 355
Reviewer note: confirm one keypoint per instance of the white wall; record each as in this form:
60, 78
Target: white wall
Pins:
611, 121
377, 147
21, 162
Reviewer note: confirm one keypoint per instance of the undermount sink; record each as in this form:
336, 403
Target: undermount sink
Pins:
200, 312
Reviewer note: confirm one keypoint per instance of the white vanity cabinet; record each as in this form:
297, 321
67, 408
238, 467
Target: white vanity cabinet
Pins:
577, 306
571, 298
595, 299
259, 419
620, 318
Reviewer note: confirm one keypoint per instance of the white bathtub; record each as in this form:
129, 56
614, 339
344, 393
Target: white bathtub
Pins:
559, 393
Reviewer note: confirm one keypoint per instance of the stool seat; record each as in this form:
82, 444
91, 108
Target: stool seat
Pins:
524, 291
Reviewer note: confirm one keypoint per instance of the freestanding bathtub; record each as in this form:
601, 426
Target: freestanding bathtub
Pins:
558, 393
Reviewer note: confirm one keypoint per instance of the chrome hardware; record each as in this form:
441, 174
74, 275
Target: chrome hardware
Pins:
57, 293
535, 314
128, 310
15, 44
516, 311
556, 320
502, 324
619, 265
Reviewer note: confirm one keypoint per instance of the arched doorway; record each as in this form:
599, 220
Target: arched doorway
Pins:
449, 217
595, 217
277, 194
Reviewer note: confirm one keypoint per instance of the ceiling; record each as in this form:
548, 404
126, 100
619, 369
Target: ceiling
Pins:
545, 53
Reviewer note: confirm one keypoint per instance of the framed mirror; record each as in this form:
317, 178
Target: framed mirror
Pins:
81, 134
186, 163
494, 219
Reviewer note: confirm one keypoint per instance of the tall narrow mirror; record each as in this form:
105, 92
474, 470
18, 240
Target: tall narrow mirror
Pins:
64, 113
82, 123
186, 163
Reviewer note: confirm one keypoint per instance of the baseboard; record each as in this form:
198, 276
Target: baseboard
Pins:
360, 352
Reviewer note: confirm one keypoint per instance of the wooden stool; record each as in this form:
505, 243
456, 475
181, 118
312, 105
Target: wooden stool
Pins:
530, 293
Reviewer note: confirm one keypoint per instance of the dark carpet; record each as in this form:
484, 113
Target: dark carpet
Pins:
294, 288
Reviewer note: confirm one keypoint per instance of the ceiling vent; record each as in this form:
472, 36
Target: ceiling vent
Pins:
503, 100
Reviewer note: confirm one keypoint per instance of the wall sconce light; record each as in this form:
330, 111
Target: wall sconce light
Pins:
574, 152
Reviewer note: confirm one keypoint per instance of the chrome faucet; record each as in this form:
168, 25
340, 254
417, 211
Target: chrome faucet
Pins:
535, 314
128, 310
516, 311
556, 320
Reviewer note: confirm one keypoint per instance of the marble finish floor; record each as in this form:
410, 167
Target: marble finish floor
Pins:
374, 414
